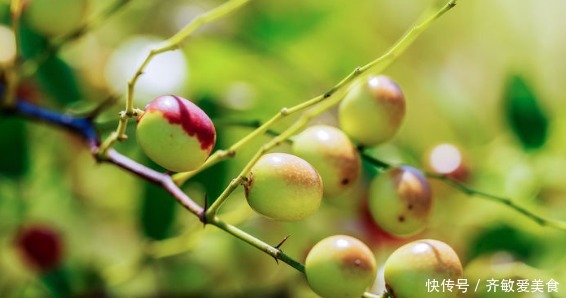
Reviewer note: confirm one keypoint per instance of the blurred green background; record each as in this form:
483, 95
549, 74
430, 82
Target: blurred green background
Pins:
487, 77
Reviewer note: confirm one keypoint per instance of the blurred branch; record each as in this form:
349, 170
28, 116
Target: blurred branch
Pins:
30, 66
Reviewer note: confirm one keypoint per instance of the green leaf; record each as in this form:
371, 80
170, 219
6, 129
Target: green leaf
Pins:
271, 25
13, 147
157, 212
55, 76
505, 238
58, 79
57, 282
4, 14
524, 114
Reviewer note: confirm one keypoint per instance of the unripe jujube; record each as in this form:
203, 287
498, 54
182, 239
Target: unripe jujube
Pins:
175, 133
400, 201
372, 111
330, 151
284, 187
340, 266
409, 268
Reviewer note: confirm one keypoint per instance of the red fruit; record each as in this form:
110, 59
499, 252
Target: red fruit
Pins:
40, 246
175, 133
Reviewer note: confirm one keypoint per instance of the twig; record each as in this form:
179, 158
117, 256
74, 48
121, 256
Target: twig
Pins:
480, 194
170, 44
328, 98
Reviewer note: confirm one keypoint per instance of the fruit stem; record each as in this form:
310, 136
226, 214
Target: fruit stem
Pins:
376, 66
561, 225
276, 253
553, 223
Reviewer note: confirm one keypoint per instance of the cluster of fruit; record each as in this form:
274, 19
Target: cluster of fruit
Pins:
179, 136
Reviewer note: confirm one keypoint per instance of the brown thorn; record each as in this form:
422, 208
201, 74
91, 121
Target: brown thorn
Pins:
282, 242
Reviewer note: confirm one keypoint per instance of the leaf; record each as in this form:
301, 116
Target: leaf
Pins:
13, 147
4, 14
57, 282
505, 238
157, 212
58, 79
271, 25
524, 114
55, 76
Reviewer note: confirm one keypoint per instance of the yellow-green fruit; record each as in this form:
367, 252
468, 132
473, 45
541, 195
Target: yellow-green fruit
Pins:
411, 266
175, 133
334, 156
55, 17
400, 201
340, 266
373, 110
284, 187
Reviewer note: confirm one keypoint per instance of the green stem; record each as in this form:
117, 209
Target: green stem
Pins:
174, 42
170, 44
561, 225
408, 38
276, 253
115, 136
376, 66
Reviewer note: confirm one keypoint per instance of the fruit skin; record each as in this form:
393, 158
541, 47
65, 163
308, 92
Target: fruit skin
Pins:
373, 110
400, 201
340, 266
175, 133
40, 246
409, 268
284, 187
332, 153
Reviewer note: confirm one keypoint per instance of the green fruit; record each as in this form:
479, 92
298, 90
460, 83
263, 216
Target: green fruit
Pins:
372, 111
411, 266
284, 187
330, 151
175, 133
55, 17
340, 266
400, 201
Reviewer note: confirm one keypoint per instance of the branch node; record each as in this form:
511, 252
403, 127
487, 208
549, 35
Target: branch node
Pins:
202, 215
